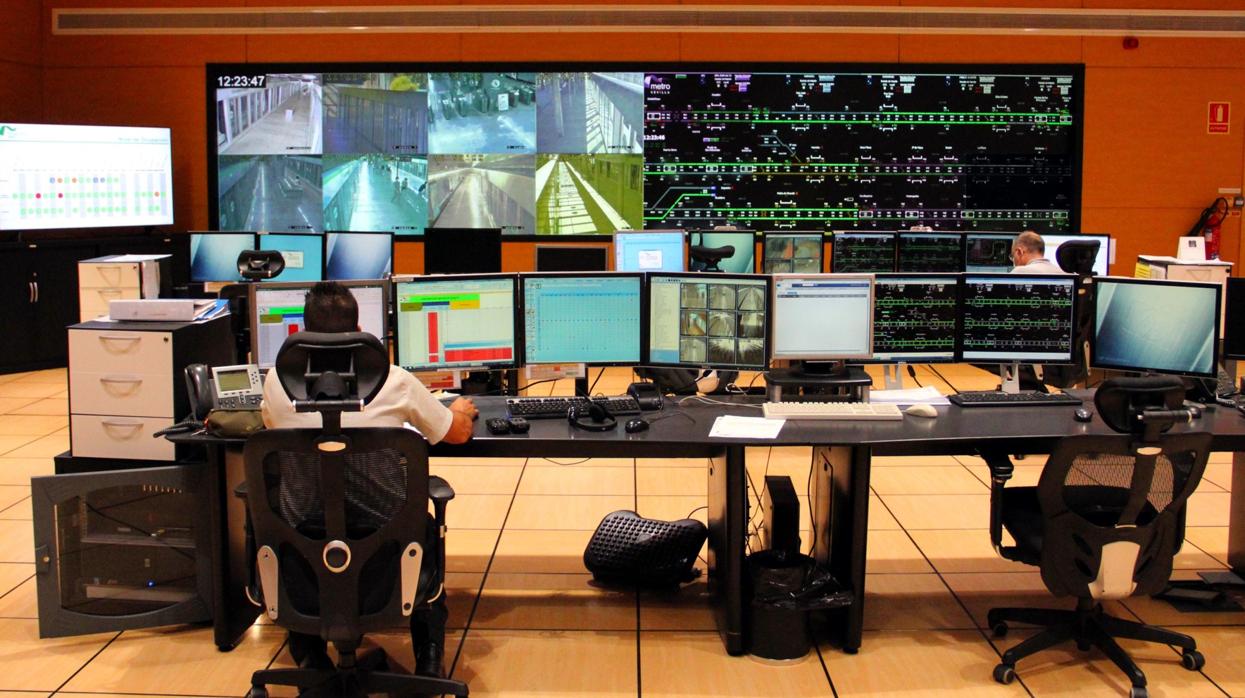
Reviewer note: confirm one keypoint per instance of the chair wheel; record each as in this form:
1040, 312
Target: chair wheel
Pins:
1138, 692
257, 692
999, 629
1006, 673
1084, 645
1192, 660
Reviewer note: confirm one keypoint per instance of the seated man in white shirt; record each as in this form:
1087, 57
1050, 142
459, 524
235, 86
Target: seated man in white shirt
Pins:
1029, 255
330, 307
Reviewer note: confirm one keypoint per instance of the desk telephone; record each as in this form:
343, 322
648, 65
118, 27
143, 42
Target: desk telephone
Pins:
223, 388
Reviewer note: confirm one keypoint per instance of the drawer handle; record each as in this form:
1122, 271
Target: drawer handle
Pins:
120, 379
121, 386
131, 341
133, 427
108, 291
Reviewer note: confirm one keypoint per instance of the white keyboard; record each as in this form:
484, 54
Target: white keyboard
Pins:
831, 410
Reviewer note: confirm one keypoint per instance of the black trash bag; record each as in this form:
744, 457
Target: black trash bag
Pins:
793, 583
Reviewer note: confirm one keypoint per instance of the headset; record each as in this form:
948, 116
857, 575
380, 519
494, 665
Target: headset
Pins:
591, 417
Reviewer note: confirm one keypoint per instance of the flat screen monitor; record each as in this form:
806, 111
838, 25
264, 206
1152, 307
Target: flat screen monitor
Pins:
462, 251
1017, 318
786, 253
1234, 319
719, 321
1156, 326
822, 316
654, 250
866, 253
914, 317
572, 258
277, 312
358, 256
741, 261
1102, 263
214, 256
989, 253
582, 318
303, 254
55, 176
456, 322
930, 252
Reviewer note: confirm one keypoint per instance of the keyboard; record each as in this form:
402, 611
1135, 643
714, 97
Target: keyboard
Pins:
556, 407
996, 398
831, 410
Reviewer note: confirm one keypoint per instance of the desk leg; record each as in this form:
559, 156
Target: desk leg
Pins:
233, 613
840, 497
1236, 516
728, 522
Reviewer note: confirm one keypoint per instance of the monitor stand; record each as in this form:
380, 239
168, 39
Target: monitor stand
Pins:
892, 375
832, 381
1009, 377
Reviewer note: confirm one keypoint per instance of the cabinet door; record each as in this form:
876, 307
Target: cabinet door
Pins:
121, 549
56, 299
17, 308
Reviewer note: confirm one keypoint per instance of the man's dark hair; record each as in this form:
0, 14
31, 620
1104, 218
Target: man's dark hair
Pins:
331, 307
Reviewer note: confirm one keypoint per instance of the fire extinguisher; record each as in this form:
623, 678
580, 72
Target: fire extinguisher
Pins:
1208, 226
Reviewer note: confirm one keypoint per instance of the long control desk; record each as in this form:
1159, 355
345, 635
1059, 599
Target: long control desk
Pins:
842, 452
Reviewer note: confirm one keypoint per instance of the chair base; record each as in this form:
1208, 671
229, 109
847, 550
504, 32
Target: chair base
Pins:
1089, 626
354, 679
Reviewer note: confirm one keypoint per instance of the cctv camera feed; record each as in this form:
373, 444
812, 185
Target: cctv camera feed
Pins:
566, 150
718, 322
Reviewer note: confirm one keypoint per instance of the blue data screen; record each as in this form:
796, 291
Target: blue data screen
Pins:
581, 319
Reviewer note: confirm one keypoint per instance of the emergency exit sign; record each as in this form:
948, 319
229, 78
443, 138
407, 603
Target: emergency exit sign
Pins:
1217, 117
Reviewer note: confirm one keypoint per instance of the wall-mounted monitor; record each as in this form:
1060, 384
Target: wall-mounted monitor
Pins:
705, 251
863, 253
214, 256
572, 258
930, 252
654, 250
358, 256
303, 254
462, 251
788, 252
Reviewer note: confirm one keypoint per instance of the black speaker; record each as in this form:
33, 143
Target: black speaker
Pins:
630, 549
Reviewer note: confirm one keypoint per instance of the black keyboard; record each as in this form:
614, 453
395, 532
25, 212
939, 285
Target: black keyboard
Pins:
556, 407
997, 398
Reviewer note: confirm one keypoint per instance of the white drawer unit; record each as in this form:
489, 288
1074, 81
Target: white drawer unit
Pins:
126, 381
116, 277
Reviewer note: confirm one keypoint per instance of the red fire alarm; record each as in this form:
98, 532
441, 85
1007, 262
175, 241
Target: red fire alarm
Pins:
1131, 42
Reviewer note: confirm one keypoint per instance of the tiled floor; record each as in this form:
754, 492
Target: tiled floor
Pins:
527, 621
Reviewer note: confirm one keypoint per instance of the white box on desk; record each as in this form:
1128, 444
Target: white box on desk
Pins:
166, 309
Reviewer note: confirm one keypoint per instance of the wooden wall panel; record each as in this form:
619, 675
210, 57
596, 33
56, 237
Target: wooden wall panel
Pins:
20, 32
21, 92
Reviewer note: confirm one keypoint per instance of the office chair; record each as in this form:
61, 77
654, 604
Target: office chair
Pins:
1077, 257
253, 265
340, 516
1103, 523
710, 256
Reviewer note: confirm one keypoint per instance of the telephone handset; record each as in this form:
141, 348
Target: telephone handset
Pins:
223, 388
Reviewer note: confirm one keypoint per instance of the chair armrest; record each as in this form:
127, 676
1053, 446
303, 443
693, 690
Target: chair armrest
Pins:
440, 492
1001, 470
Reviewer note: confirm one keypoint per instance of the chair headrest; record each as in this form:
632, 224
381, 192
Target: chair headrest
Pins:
1121, 402
256, 265
332, 366
711, 255
1077, 256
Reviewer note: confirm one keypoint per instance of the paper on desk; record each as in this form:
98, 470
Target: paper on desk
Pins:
913, 396
733, 427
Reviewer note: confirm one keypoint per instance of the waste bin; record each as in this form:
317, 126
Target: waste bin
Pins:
779, 628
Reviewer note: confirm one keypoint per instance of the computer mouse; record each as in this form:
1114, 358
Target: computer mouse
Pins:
1083, 415
635, 425
922, 411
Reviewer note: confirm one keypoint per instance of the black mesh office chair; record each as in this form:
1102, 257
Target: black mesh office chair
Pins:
710, 256
345, 544
1103, 523
1077, 257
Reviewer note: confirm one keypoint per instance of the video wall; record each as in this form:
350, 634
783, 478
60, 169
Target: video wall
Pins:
570, 150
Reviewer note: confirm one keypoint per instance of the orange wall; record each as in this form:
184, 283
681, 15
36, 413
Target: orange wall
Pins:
21, 62
1149, 166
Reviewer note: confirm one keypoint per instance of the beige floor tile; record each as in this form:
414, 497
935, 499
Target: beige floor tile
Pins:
913, 461
1022, 475
18, 471
58, 406
523, 664
689, 607
19, 510
1220, 457
552, 602
1159, 612
1225, 656
926, 663
13, 574
469, 550
47, 375
555, 512
461, 589
1192, 557
695, 664
8, 444
8, 404
541, 552
911, 602
397, 646
880, 518
479, 479
673, 508
21, 602
1212, 540
43, 447
963, 551
1207, 509
16, 541
1206, 485
668, 481
576, 462
702, 463
575, 480
12, 494
1219, 474
479, 511
980, 592
893, 552
178, 661
941, 511
474, 461
26, 389
28, 663
31, 425
40, 694
925, 480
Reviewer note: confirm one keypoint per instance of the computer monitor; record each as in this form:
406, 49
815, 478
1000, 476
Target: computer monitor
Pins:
358, 256
988, 253
303, 254
1102, 263
866, 253
456, 322
1156, 326
930, 252
572, 258
653, 250
795, 252
743, 261
914, 317
277, 312
462, 251
822, 317
1007, 318
582, 318
719, 321
1234, 319
214, 256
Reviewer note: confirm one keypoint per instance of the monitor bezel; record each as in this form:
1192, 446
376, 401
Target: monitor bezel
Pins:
326, 235
1215, 326
794, 233
707, 278
523, 276
217, 233
253, 309
852, 358
670, 231
1004, 276
955, 278
324, 245
963, 250
517, 323
893, 234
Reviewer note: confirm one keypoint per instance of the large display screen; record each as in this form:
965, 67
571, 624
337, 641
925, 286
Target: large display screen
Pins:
54, 176
577, 149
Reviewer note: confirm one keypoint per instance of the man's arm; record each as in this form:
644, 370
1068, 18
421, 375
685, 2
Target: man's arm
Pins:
464, 412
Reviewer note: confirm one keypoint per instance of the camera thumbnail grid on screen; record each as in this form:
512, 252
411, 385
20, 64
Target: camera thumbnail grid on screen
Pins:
718, 320
581, 148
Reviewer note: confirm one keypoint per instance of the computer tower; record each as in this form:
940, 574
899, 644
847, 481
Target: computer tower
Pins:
780, 530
